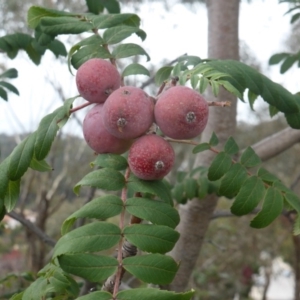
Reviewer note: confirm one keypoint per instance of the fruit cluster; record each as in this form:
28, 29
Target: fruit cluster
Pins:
123, 115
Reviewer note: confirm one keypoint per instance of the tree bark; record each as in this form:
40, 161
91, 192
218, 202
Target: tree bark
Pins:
196, 214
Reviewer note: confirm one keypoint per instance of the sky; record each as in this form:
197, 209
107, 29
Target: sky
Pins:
263, 27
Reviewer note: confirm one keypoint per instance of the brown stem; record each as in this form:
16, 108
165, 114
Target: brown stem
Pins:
80, 107
219, 103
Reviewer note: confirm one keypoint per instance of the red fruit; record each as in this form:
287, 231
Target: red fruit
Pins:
96, 79
181, 113
151, 157
98, 138
128, 112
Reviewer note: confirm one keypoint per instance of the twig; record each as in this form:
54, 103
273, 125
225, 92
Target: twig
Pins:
219, 103
33, 228
151, 79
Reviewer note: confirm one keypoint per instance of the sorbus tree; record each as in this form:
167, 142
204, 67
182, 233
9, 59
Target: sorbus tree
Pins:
148, 126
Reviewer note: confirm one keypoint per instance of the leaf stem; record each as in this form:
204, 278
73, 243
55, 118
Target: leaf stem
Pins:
80, 107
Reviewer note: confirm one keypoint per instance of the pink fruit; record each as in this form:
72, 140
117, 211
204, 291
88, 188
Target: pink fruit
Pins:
181, 113
128, 112
151, 157
98, 138
96, 79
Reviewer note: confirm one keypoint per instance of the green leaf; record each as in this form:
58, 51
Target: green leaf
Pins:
293, 200
4, 180
40, 165
288, 63
155, 187
271, 209
251, 97
21, 157
249, 158
180, 175
194, 81
191, 188
178, 193
295, 17
266, 176
57, 48
277, 58
92, 237
250, 194
106, 179
3, 94
92, 267
94, 7
152, 268
36, 290
203, 84
203, 185
46, 133
9, 86
101, 208
163, 74
233, 181
88, 52
151, 238
109, 160
98, 295
127, 50
150, 294
119, 33
110, 20
219, 166
64, 25
12, 195
215, 87
177, 69
273, 111
112, 6
230, 88
231, 147
156, 212
214, 141
135, 69
201, 147
95, 40
296, 230
10, 73
244, 77
36, 13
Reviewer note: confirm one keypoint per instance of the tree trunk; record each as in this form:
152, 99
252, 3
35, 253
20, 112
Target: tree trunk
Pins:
196, 214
